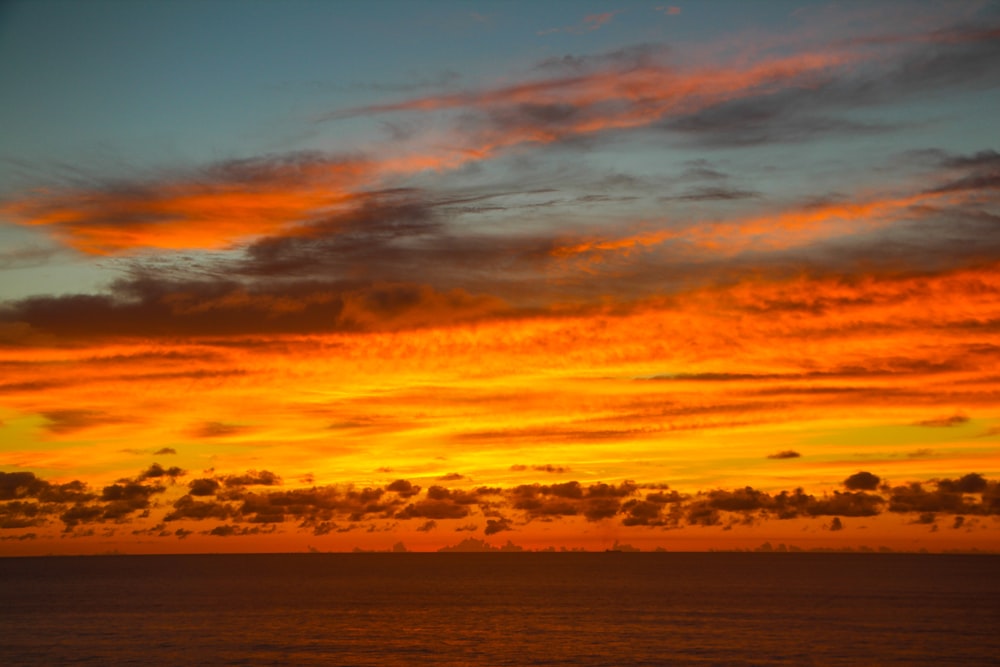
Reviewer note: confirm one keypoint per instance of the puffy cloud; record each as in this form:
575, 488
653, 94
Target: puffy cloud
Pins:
403, 487
28, 502
548, 467
157, 471
203, 487
785, 454
252, 478
20, 485
187, 507
435, 509
227, 530
971, 483
862, 481
642, 513
494, 526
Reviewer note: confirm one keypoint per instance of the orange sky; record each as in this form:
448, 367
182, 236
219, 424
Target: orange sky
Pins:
686, 302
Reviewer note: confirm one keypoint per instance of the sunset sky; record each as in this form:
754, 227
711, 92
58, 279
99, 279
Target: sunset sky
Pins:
335, 275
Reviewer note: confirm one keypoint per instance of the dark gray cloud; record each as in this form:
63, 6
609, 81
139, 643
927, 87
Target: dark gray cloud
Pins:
157, 471
595, 502
863, 481
971, 483
494, 526
203, 487
227, 530
785, 454
252, 478
187, 507
435, 509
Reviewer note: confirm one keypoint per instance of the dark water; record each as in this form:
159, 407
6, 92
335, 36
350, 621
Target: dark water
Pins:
502, 609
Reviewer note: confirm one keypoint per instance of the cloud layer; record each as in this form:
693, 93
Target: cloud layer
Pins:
762, 268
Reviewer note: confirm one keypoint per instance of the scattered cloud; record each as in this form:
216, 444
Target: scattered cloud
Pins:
29, 502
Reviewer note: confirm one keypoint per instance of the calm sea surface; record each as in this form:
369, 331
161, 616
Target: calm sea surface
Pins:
502, 609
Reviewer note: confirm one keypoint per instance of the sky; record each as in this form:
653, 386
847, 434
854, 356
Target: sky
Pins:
334, 276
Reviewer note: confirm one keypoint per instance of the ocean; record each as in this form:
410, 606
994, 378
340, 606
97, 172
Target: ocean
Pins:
502, 609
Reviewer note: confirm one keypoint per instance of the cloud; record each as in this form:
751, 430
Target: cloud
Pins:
203, 487
20, 484
353, 271
953, 420
164, 451
494, 526
971, 483
784, 454
595, 502
28, 502
217, 430
950, 497
403, 487
469, 544
187, 507
25, 257
157, 471
548, 467
712, 194
252, 478
70, 420
148, 308
873, 77
436, 509
226, 530
862, 481
643, 513
606, 99
920, 453
207, 208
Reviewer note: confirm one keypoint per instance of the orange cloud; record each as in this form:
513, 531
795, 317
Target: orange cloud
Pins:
233, 202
